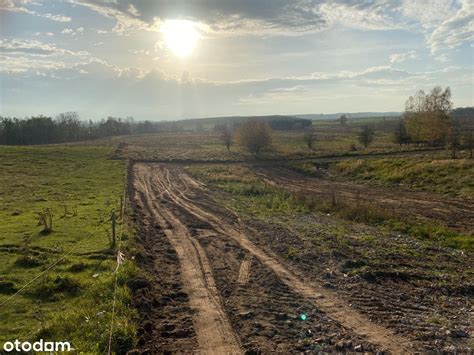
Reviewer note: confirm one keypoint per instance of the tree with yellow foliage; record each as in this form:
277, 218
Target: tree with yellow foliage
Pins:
254, 136
428, 116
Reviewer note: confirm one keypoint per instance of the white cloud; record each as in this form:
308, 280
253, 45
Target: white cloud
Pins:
59, 18
39, 34
455, 30
402, 57
429, 15
368, 15
21, 6
443, 58
34, 47
70, 31
18, 56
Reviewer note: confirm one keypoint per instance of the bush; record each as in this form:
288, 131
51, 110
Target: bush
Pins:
254, 136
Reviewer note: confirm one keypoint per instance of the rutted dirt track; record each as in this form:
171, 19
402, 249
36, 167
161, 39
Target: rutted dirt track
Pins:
457, 213
213, 331
241, 297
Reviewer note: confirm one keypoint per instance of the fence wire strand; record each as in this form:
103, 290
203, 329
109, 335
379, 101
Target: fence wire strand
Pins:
122, 214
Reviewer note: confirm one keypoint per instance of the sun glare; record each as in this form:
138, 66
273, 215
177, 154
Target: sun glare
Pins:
180, 36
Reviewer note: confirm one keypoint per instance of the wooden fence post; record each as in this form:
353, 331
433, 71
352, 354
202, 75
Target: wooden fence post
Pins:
121, 207
113, 228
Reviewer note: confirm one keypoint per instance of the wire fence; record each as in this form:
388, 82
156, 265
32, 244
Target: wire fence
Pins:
9, 300
50, 267
119, 258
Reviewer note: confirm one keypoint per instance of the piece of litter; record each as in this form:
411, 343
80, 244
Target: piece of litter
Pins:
120, 259
95, 275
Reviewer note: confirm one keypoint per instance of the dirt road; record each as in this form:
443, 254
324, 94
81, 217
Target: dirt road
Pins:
213, 330
457, 213
241, 296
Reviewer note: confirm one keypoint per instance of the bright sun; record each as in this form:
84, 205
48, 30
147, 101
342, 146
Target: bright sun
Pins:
180, 36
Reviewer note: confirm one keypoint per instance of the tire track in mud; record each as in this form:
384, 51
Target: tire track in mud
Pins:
165, 318
323, 299
213, 331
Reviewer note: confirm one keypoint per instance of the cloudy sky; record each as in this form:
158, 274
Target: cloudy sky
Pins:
168, 59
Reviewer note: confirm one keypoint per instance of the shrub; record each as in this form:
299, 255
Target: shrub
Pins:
254, 136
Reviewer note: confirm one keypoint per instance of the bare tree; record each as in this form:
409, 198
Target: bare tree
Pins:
226, 136
309, 138
468, 141
366, 136
400, 135
454, 143
343, 120
254, 136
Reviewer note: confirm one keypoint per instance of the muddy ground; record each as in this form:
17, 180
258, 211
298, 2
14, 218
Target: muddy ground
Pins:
158, 293
222, 283
457, 213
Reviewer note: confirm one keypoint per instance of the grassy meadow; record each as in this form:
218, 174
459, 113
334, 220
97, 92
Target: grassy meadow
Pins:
71, 299
430, 172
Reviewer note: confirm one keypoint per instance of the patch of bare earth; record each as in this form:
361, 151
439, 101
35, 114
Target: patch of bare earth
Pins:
422, 292
165, 317
457, 213
248, 296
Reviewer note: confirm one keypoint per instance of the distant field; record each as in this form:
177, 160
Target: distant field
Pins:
330, 139
73, 300
430, 172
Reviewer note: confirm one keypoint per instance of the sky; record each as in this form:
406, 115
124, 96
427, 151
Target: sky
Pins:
172, 59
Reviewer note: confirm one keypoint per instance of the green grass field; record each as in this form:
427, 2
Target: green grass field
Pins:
72, 301
430, 172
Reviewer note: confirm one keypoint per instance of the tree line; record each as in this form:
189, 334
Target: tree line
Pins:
67, 127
